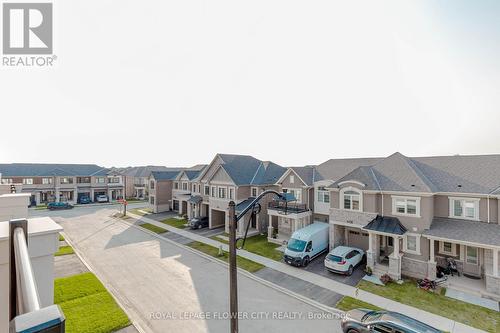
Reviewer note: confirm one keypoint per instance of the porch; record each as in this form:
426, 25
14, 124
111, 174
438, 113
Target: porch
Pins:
283, 224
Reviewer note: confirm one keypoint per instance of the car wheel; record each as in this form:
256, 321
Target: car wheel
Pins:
200, 226
305, 261
352, 331
349, 272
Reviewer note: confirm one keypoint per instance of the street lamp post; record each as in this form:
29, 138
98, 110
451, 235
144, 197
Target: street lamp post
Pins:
233, 277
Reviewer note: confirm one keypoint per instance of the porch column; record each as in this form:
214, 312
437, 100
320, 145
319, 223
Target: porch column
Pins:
396, 247
370, 258
495, 262
370, 242
431, 248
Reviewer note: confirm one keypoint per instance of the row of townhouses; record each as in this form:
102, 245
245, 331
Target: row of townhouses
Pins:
408, 214
63, 182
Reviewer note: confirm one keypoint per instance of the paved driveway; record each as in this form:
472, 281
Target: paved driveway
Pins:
160, 283
317, 266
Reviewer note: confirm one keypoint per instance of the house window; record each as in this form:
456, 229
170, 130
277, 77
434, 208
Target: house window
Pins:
152, 200
292, 179
46, 181
207, 190
406, 206
176, 186
100, 180
412, 244
6, 181
113, 180
184, 186
447, 248
323, 195
222, 192
464, 208
231, 193
351, 199
297, 193
471, 256
152, 185
214, 191
28, 181
255, 191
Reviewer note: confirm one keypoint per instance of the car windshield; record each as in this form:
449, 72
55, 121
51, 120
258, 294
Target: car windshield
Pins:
371, 316
334, 258
296, 245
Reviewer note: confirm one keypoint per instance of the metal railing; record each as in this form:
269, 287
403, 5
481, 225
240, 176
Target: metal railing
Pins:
25, 311
289, 207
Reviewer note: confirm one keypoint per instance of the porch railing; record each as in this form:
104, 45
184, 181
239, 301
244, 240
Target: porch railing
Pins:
289, 207
26, 313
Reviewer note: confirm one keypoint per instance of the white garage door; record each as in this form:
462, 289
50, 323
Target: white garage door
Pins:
358, 239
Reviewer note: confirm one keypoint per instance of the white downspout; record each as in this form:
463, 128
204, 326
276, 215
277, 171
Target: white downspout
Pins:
488, 206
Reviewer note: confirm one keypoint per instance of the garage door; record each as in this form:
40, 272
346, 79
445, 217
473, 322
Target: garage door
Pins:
358, 239
217, 219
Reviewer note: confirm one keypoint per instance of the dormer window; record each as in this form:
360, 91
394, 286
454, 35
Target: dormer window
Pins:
351, 199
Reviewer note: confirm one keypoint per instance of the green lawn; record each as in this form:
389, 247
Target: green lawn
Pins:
87, 305
348, 303
153, 228
408, 293
40, 207
244, 263
64, 250
61, 237
136, 211
259, 245
175, 222
132, 200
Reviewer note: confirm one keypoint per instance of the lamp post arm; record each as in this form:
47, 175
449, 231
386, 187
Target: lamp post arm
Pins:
255, 201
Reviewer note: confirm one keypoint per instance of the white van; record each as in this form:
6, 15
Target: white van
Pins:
306, 244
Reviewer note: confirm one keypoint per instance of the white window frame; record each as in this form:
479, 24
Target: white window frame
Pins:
453, 248
187, 186
46, 181
205, 187
6, 180
219, 188
464, 201
295, 190
176, 185
292, 179
213, 191
100, 180
405, 199
341, 200
230, 193
417, 243
321, 193
28, 181
256, 191
467, 256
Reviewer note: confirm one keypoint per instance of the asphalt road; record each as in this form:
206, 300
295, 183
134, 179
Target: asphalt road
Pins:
167, 288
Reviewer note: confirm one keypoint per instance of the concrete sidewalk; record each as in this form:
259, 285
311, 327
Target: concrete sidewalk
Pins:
439, 322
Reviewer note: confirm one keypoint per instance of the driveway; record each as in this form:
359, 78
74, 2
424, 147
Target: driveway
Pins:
205, 232
317, 266
167, 288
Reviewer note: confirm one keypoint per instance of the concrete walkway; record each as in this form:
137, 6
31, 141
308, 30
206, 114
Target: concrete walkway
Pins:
439, 322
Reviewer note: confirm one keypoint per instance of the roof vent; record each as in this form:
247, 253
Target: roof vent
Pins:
412, 185
459, 185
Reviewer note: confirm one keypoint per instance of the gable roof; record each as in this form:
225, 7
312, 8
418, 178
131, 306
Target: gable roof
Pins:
164, 175
334, 169
247, 170
452, 174
42, 169
144, 171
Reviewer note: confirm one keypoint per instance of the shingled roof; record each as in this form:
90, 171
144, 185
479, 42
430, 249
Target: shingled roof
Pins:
247, 170
40, 170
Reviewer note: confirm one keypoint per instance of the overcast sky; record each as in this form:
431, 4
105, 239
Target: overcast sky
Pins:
296, 82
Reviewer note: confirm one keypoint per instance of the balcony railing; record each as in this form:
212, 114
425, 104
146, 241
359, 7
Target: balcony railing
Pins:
26, 314
289, 207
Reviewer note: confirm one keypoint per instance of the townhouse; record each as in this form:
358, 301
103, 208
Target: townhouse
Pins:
160, 185
411, 214
136, 179
63, 182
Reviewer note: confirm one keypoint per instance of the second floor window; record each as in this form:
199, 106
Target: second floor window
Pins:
406, 206
46, 181
184, 186
207, 190
176, 186
255, 191
28, 181
222, 192
297, 193
100, 180
152, 185
6, 181
66, 180
231, 193
323, 195
352, 200
464, 208
114, 180
214, 191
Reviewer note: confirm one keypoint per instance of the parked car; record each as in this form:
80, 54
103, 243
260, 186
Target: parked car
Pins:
102, 198
58, 205
343, 259
198, 222
369, 321
306, 244
84, 199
